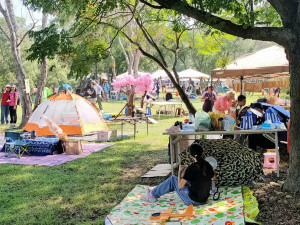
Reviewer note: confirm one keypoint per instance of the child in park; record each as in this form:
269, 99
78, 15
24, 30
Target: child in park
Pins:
193, 182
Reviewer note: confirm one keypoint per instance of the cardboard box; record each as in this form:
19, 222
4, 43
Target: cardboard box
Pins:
107, 135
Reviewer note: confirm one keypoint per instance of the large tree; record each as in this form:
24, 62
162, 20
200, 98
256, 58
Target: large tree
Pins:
272, 20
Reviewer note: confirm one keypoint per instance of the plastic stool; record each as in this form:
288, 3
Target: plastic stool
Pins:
270, 160
274, 150
179, 112
148, 111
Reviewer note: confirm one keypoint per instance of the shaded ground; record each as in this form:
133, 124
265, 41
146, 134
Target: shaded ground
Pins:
275, 205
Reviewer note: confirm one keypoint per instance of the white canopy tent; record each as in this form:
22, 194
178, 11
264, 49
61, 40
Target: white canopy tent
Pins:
160, 74
190, 73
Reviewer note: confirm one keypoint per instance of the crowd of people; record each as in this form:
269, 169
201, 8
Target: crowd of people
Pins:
9, 102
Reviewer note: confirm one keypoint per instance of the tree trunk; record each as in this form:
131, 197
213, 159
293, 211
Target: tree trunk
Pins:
142, 100
130, 103
43, 77
137, 55
185, 99
292, 182
130, 65
113, 66
10, 20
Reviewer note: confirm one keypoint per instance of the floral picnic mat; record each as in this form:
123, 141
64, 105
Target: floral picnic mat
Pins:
228, 210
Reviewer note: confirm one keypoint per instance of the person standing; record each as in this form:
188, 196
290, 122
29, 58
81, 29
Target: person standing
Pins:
106, 90
224, 102
209, 97
90, 94
99, 94
5, 104
13, 106
157, 89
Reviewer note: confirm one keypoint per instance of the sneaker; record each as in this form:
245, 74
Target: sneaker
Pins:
148, 197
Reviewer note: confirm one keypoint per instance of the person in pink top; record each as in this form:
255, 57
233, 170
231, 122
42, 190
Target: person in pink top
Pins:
13, 106
224, 102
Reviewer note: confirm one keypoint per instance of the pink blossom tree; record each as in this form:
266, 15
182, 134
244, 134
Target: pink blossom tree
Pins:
130, 86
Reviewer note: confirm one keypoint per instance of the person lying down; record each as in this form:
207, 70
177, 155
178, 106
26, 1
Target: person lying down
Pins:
192, 184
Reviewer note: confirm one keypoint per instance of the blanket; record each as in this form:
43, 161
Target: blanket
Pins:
228, 210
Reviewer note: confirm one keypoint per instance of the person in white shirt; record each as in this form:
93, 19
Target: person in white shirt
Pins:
99, 94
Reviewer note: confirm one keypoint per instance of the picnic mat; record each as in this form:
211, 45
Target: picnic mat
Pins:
228, 210
51, 160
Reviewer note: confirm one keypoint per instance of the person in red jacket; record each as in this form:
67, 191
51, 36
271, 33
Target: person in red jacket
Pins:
5, 104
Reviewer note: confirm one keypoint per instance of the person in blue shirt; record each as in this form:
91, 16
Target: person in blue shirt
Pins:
106, 90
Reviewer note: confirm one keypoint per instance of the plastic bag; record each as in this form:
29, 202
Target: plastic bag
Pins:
229, 123
202, 121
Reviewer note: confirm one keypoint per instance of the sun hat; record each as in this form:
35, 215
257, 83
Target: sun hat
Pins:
7, 85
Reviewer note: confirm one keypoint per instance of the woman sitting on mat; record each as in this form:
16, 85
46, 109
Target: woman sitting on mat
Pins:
193, 183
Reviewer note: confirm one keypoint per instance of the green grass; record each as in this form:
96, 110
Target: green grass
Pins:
83, 191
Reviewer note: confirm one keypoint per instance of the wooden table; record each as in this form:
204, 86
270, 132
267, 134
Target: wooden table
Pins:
165, 104
272, 135
129, 119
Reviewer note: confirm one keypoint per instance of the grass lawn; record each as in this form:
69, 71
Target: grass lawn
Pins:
85, 190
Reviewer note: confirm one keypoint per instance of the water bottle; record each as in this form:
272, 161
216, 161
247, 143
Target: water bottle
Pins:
191, 118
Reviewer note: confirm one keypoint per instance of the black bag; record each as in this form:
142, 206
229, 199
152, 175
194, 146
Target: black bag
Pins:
169, 96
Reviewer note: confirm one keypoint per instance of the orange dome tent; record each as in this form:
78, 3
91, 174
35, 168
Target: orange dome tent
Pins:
72, 113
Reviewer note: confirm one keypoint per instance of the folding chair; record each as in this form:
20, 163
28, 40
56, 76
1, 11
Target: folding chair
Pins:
16, 146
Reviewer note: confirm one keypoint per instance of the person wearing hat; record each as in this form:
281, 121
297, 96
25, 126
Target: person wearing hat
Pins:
5, 104
209, 97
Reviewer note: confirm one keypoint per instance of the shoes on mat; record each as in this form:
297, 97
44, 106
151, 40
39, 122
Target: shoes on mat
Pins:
148, 197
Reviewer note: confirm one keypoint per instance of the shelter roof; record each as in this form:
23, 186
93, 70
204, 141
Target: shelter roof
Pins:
269, 62
190, 73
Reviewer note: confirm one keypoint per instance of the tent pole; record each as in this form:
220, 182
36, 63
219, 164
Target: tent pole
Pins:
242, 78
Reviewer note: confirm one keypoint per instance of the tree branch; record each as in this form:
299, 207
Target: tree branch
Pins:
143, 51
9, 23
33, 26
78, 34
1, 28
279, 35
152, 6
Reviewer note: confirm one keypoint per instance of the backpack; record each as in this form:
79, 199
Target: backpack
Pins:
169, 96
